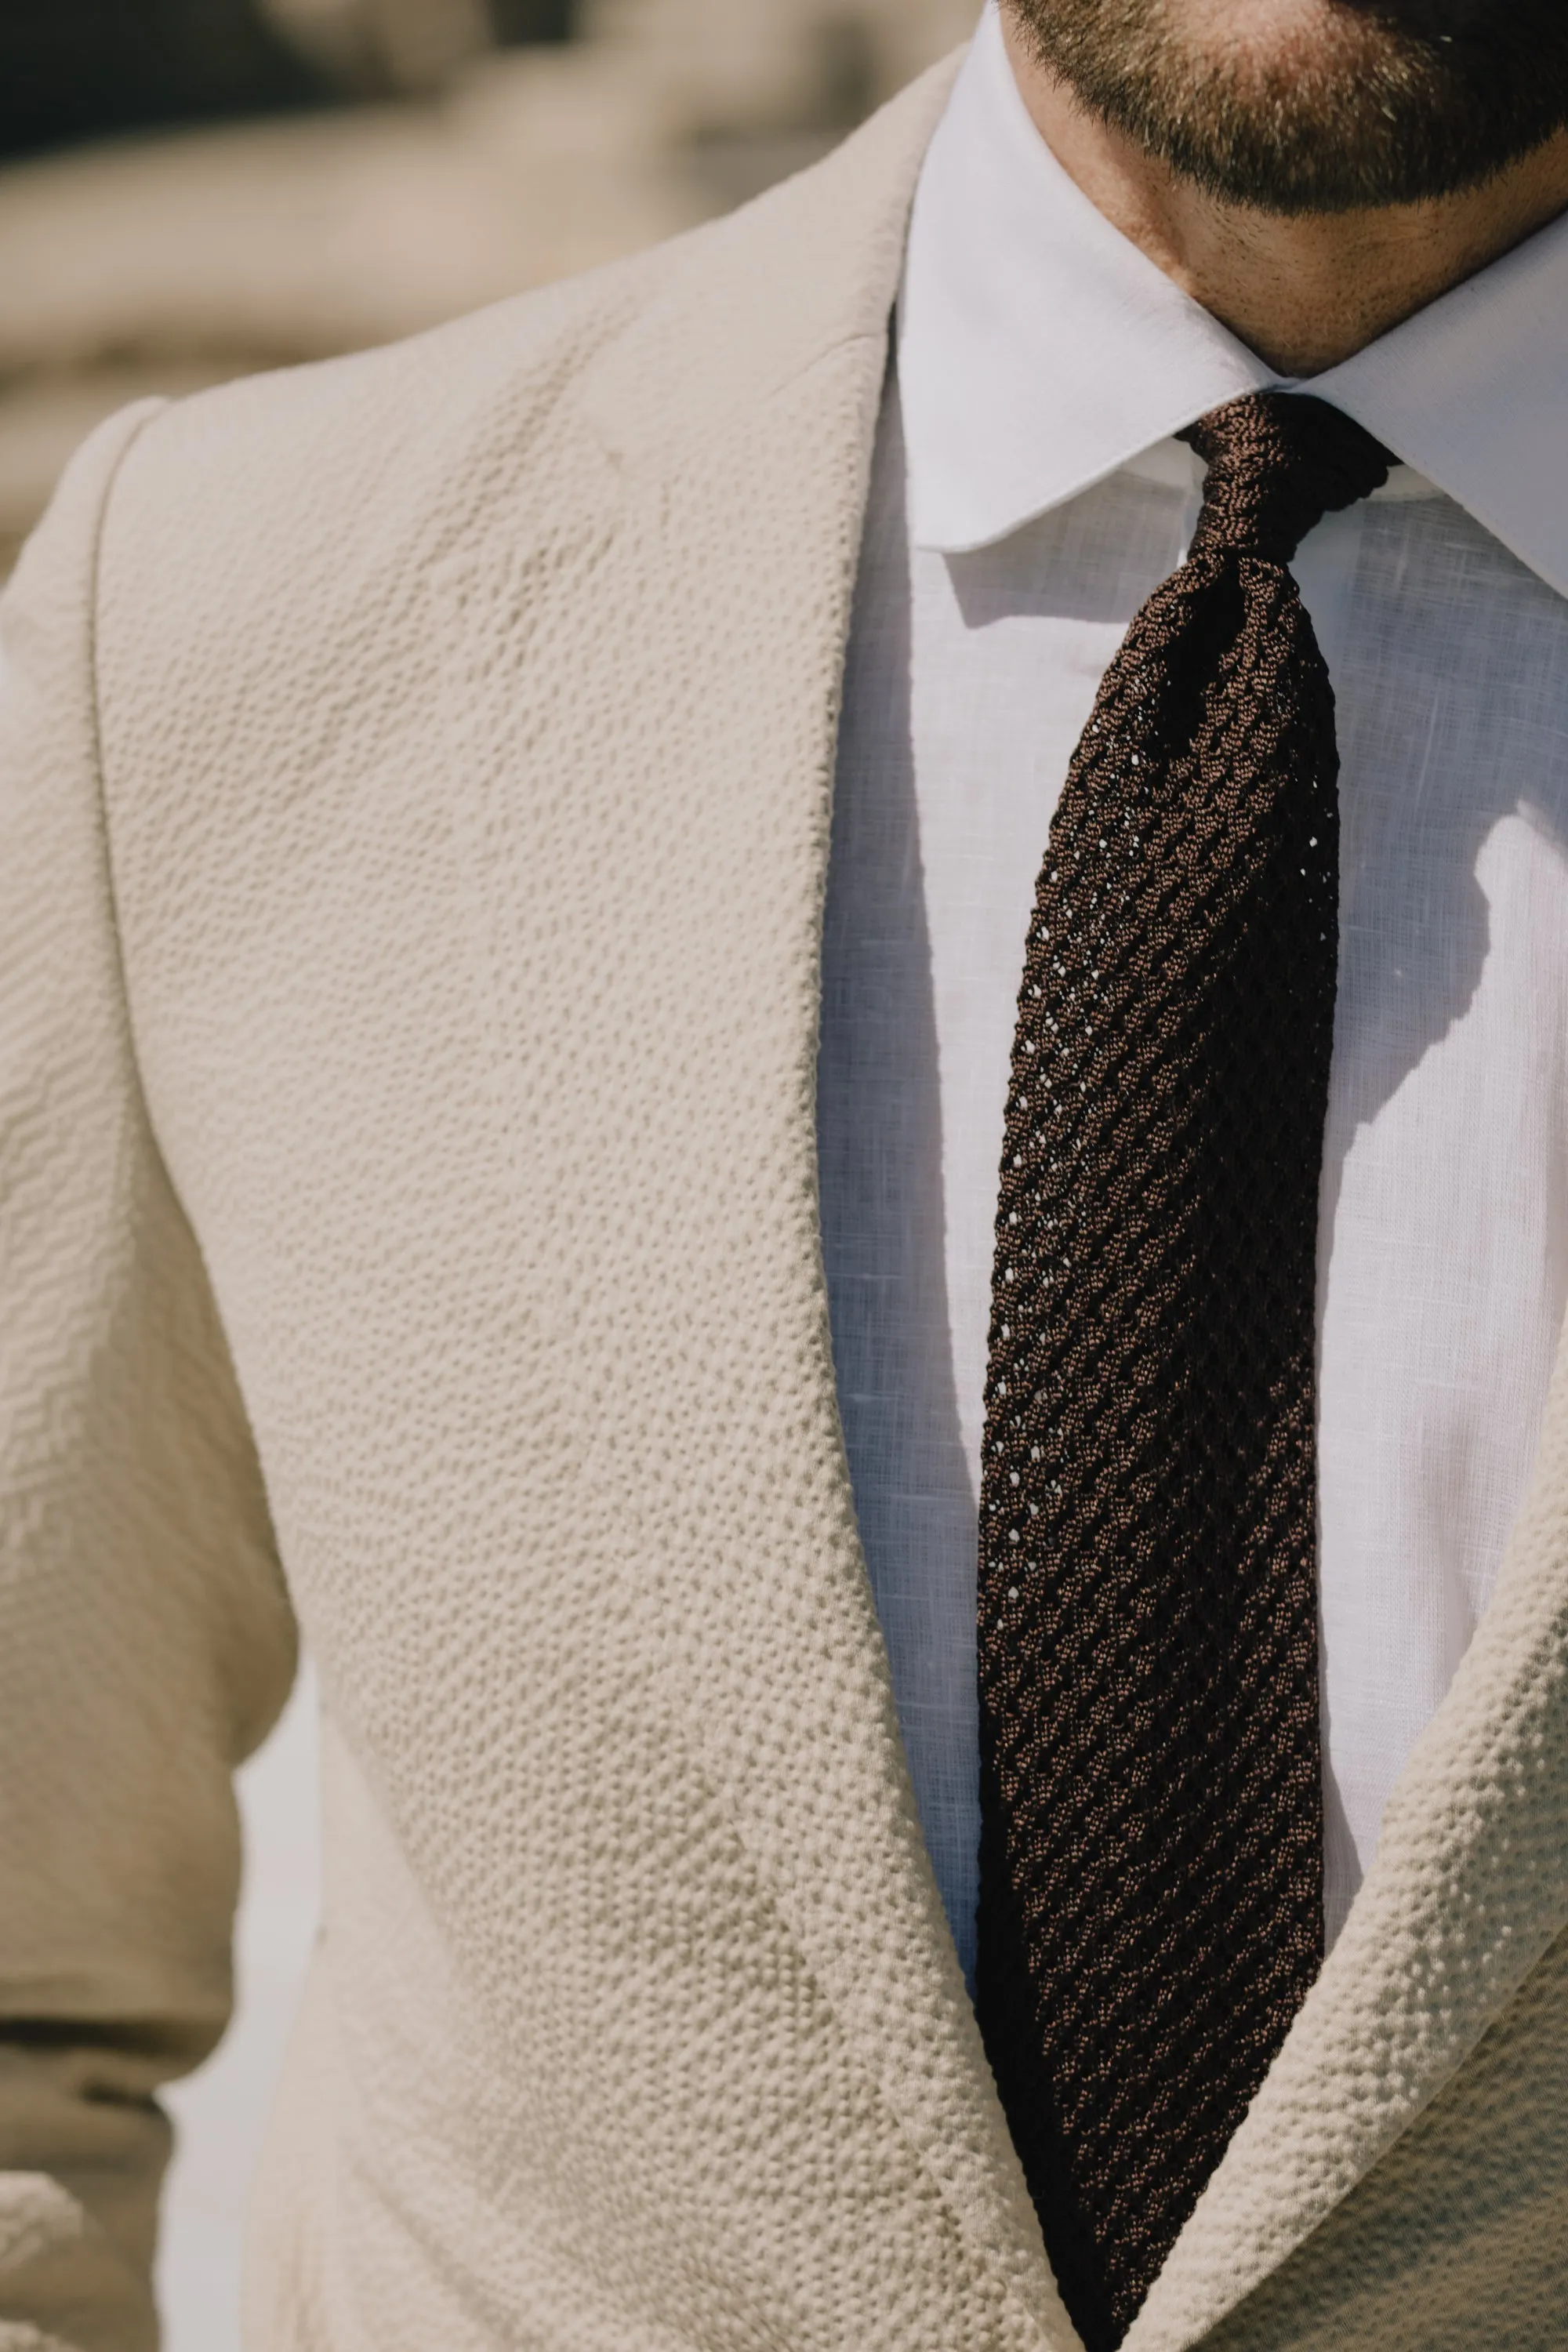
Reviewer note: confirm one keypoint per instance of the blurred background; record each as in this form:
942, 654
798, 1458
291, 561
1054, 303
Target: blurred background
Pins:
191, 189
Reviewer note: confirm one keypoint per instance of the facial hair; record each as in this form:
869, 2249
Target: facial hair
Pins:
1364, 103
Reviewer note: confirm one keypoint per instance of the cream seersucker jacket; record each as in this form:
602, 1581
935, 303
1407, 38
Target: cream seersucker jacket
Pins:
413, 803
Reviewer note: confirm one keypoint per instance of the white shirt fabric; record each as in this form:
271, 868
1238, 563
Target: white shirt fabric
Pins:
1026, 497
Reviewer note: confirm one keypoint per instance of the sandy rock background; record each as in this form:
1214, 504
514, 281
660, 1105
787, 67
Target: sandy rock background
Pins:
243, 184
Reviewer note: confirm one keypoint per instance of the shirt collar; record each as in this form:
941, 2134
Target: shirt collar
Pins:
1040, 350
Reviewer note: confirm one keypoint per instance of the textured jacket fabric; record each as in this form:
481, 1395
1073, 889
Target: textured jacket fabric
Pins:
413, 806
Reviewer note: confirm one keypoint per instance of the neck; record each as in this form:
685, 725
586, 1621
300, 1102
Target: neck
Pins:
1306, 290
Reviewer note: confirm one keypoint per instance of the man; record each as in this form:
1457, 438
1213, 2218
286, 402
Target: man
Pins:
419, 781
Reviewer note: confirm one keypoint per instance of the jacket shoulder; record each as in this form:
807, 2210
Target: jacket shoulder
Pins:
305, 461
288, 518
296, 526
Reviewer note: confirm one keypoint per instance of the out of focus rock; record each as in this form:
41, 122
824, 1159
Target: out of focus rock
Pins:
73, 70
378, 47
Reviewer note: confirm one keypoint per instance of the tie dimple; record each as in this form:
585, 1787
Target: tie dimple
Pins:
1151, 1912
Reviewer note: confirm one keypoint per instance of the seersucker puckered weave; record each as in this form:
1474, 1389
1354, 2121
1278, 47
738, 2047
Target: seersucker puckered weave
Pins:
1150, 1905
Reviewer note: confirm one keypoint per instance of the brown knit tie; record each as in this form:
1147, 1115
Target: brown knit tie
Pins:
1151, 1878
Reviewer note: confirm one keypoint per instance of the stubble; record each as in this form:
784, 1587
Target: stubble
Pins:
1315, 106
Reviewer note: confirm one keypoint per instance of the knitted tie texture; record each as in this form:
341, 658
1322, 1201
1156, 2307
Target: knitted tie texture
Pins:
1150, 1904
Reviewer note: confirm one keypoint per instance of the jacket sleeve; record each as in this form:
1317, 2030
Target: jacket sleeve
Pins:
146, 1644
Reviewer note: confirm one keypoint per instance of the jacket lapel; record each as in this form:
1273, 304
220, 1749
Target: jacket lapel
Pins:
1468, 1888
734, 411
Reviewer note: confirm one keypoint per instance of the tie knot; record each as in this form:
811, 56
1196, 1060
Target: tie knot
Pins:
1277, 462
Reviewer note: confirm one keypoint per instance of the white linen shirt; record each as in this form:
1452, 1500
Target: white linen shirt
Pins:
1026, 497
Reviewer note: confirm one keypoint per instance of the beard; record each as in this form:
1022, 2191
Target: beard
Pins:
1315, 106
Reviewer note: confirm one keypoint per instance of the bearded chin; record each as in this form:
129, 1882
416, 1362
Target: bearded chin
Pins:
1363, 103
